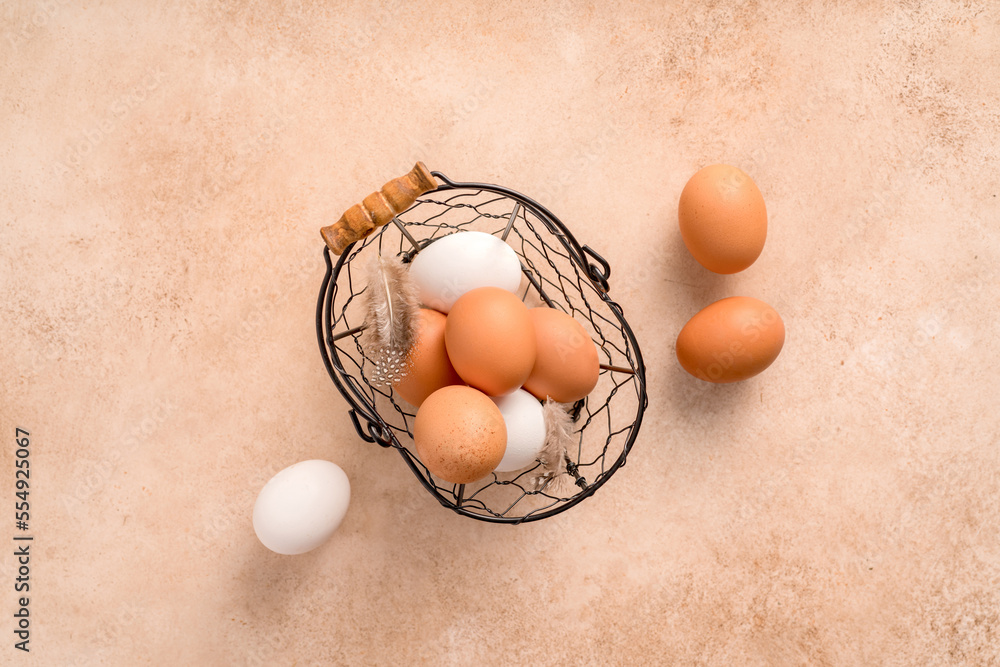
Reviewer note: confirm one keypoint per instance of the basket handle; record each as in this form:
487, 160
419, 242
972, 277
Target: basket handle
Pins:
378, 208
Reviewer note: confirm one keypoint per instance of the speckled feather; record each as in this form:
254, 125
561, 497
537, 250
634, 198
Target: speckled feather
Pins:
393, 303
559, 436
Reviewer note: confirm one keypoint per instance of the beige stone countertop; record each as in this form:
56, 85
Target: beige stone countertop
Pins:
166, 169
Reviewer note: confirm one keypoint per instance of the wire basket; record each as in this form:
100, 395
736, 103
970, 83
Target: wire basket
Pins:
558, 272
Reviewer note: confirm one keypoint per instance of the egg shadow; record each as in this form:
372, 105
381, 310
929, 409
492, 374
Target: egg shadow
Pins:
266, 585
701, 404
696, 286
697, 403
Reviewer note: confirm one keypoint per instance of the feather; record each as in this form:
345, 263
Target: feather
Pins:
393, 303
559, 437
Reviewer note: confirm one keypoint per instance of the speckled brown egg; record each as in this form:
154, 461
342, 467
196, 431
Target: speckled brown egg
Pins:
428, 366
490, 340
722, 218
566, 361
731, 340
459, 434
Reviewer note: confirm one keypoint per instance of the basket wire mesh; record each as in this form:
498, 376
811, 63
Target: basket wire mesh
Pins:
559, 273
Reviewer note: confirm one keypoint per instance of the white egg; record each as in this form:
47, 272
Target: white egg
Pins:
301, 506
459, 262
525, 420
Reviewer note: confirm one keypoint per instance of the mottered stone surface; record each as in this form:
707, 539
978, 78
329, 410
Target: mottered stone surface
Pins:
166, 172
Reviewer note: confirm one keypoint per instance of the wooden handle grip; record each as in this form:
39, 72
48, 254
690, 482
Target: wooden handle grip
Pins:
378, 208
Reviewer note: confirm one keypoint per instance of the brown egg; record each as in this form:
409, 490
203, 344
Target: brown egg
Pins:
429, 368
731, 340
566, 364
722, 218
490, 340
459, 434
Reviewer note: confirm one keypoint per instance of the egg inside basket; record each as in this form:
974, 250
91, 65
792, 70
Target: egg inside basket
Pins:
557, 272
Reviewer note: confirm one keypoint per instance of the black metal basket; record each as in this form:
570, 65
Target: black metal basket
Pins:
560, 273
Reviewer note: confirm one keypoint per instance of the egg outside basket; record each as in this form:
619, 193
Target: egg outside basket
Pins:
559, 273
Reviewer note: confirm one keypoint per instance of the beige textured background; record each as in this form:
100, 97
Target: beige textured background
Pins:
165, 174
